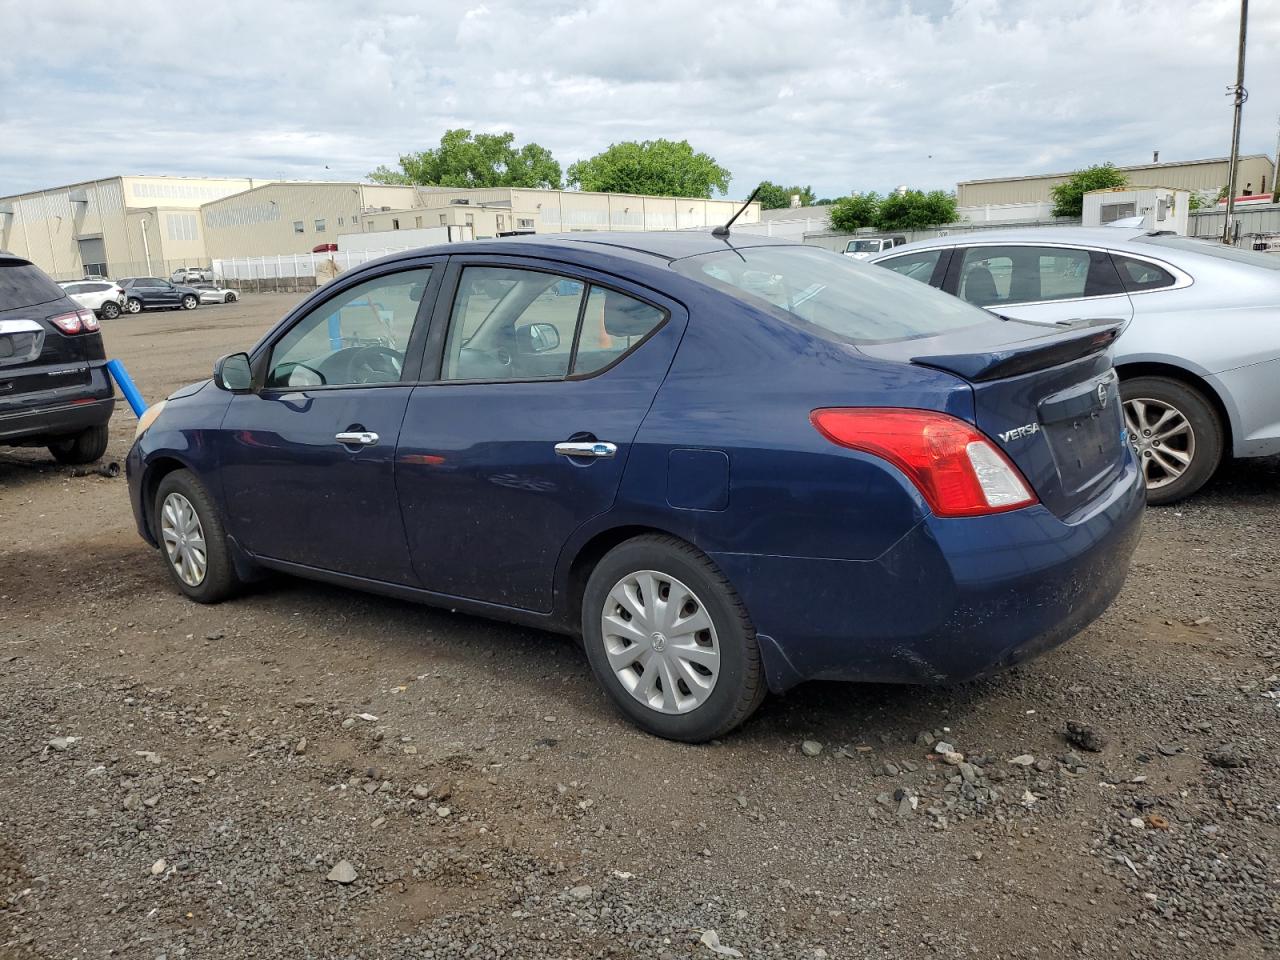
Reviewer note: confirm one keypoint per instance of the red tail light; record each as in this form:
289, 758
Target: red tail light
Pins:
956, 468
78, 321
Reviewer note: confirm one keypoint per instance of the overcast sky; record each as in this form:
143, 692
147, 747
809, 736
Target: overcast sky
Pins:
843, 96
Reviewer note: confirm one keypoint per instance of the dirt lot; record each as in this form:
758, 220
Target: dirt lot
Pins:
179, 781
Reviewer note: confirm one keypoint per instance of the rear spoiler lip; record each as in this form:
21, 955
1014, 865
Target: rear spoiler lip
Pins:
1076, 340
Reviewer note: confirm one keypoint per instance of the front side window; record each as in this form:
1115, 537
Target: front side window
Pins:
994, 276
918, 266
860, 302
358, 337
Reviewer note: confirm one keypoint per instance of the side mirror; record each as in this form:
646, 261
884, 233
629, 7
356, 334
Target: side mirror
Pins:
537, 338
233, 373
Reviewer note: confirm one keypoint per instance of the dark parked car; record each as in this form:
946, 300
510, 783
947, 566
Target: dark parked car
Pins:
730, 465
151, 293
54, 388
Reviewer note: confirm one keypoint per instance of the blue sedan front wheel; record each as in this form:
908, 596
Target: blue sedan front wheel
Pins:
670, 640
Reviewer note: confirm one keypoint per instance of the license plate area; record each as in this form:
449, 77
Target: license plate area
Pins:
1084, 429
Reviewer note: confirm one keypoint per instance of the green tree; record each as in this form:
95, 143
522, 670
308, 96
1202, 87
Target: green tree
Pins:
479, 160
855, 211
774, 197
664, 168
1068, 196
916, 210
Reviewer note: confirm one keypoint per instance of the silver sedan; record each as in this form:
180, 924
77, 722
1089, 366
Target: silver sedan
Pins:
1199, 361
215, 293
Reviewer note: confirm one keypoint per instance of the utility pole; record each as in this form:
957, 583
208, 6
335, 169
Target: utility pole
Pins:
1239, 95
1275, 168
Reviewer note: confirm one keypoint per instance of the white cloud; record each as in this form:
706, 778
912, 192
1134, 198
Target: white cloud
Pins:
842, 95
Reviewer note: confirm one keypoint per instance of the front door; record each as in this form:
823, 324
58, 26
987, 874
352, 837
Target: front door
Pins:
544, 378
158, 293
1040, 284
308, 458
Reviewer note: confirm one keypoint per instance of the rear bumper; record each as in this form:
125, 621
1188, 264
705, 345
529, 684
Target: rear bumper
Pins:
59, 413
954, 599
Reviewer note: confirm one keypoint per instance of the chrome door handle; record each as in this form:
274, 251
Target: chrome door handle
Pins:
594, 448
360, 438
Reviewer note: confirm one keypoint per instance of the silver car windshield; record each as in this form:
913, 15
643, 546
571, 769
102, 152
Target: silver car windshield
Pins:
1211, 248
855, 301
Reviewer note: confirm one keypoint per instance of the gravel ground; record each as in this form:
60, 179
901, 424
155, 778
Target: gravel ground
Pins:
310, 772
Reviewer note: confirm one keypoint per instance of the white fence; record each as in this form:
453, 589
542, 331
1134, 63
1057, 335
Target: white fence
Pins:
294, 271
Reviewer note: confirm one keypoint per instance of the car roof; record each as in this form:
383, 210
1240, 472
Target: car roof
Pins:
1110, 237
661, 244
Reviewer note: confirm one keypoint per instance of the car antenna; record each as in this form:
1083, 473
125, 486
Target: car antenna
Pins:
724, 230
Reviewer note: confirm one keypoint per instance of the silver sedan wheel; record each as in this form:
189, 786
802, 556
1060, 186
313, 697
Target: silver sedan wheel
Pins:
183, 538
660, 642
1162, 438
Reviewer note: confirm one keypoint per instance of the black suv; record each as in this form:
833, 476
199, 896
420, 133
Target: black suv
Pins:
153, 293
54, 388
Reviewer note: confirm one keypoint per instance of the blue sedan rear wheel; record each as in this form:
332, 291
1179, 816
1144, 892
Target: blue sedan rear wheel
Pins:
670, 640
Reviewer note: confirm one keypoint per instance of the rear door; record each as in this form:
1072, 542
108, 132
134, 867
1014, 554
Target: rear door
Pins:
545, 372
1039, 283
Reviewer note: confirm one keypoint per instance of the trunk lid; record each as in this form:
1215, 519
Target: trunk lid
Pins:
1048, 398
39, 364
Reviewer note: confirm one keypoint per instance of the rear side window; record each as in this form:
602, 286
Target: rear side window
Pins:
860, 302
993, 276
918, 266
1139, 275
611, 325
24, 285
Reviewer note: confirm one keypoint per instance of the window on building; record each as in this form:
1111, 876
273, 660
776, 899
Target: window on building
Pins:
417, 222
471, 219
339, 221
1111, 212
524, 223
502, 222
395, 223
444, 220
320, 226
298, 227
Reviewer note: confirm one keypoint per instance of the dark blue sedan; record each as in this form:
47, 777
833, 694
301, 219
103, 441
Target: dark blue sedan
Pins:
729, 464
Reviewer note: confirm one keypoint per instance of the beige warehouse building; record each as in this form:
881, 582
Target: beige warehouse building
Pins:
1194, 175
289, 217
118, 227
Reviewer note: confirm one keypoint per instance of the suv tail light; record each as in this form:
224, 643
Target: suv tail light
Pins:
78, 321
952, 463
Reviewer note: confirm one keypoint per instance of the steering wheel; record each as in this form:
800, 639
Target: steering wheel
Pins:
373, 365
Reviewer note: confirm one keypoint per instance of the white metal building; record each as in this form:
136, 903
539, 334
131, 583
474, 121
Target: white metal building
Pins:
119, 226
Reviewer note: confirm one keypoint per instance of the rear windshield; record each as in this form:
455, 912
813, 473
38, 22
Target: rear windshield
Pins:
1212, 248
863, 246
24, 285
856, 301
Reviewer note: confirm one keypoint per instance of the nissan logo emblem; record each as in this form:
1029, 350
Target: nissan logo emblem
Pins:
1102, 393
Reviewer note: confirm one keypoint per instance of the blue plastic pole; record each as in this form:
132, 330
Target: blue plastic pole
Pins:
127, 386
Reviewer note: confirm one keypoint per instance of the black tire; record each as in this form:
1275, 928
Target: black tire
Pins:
220, 580
1207, 435
110, 310
87, 446
230, 298
739, 686
190, 301
133, 305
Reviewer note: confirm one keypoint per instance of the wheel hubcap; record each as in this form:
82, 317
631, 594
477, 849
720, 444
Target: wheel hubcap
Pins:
183, 538
660, 642
1162, 438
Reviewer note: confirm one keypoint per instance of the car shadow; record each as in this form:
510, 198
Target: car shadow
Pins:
1255, 481
502, 654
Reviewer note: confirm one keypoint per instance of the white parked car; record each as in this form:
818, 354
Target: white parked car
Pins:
103, 297
1199, 359
215, 293
864, 247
